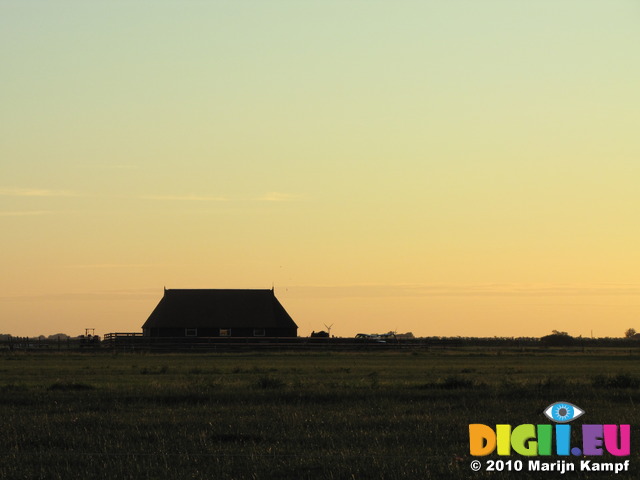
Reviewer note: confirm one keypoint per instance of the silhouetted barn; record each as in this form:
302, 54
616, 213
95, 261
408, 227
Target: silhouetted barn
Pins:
219, 313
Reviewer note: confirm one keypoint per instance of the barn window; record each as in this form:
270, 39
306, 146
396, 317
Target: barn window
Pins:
190, 332
258, 332
225, 332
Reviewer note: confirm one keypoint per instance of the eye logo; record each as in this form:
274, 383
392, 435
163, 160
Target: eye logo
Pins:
563, 412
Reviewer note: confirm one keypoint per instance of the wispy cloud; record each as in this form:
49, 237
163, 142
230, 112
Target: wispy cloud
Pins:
267, 197
111, 295
36, 192
279, 197
466, 290
26, 213
190, 198
112, 167
124, 265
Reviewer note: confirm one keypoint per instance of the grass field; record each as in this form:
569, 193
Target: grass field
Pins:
392, 415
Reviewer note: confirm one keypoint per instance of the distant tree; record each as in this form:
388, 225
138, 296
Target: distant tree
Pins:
58, 336
630, 332
558, 339
407, 335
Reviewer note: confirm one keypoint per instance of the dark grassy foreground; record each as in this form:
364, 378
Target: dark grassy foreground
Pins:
392, 415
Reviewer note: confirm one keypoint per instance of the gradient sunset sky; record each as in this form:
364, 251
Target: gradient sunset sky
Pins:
441, 167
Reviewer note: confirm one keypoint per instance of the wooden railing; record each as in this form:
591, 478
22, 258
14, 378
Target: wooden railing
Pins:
112, 336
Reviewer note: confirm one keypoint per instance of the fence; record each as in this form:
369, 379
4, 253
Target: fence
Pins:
11, 343
124, 341
136, 341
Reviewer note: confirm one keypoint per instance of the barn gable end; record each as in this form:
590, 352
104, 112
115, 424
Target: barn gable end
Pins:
216, 313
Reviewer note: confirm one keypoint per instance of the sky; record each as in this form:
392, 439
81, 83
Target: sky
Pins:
448, 168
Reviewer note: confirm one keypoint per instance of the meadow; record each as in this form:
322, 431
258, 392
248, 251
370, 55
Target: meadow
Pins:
287, 415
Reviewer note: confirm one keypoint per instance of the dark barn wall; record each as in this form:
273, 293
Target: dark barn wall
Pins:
215, 332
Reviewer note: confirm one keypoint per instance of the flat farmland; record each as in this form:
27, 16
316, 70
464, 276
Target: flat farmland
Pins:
287, 415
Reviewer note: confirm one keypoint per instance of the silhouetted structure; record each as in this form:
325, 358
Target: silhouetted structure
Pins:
219, 313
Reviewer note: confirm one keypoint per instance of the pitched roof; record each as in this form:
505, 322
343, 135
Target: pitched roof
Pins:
219, 309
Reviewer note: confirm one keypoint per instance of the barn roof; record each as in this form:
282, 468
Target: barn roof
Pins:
219, 309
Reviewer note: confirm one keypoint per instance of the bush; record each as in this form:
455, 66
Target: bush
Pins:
268, 382
70, 386
622, 380
153, 371
453, 382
